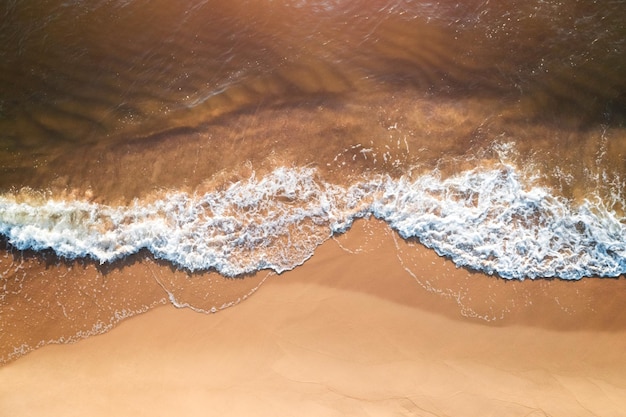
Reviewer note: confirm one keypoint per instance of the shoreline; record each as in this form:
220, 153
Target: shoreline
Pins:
159, 171
348, 333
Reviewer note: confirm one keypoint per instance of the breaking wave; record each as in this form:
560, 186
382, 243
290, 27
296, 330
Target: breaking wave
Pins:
484, 219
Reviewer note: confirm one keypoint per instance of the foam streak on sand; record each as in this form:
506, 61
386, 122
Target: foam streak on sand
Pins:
347, 334
485, 219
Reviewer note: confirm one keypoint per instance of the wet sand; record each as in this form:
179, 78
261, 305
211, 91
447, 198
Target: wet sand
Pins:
350, 333
194, 96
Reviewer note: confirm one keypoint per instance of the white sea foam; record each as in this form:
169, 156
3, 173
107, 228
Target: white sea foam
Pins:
488, 220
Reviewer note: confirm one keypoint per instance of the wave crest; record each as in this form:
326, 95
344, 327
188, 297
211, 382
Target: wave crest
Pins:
487, 220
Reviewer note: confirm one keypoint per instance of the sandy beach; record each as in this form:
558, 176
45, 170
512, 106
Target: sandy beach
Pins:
215, 208
351, 332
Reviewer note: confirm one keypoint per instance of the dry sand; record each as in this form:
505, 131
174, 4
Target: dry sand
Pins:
350, 333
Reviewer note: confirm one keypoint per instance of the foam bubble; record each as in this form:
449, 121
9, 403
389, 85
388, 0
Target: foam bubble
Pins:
487, 220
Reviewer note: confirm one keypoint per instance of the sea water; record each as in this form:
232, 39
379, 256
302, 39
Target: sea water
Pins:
236, 137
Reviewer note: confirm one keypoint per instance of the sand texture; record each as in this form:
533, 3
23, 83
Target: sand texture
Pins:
164, 162
350, 333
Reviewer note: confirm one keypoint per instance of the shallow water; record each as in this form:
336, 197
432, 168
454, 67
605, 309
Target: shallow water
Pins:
235, 137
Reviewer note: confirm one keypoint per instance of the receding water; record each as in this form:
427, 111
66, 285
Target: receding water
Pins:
216, 139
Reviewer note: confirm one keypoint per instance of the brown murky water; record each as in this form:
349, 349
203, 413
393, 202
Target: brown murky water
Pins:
121, 103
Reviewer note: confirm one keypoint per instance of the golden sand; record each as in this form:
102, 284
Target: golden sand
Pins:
349, 333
